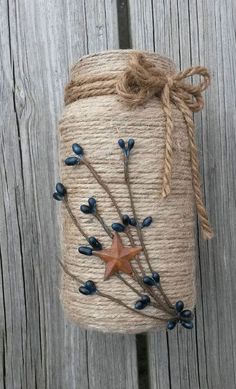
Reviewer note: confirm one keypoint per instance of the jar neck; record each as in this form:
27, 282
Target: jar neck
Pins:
97, 74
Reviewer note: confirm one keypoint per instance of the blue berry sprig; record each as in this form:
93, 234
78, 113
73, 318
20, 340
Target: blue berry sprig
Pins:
95, 245
91, 207
142, 302
94, 242
183, 316
126, 149
75, 160
153, 280
177, 312
88, 288
146, 222
60, 193
131, 221
118, 227
145, 299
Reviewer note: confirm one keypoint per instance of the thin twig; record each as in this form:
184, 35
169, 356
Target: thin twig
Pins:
158, 303
76, 278
139, 231
74, 219
109, 297
131, 309
102, 184
100, 181
103, 224
128, 233
128, 284
165, 297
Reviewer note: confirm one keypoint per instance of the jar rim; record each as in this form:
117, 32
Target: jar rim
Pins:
107, 53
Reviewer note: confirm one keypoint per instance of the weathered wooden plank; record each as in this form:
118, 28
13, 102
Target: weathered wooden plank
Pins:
192, 33
39, 347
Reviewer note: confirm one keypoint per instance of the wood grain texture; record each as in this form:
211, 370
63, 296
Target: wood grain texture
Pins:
191, 33
39, 348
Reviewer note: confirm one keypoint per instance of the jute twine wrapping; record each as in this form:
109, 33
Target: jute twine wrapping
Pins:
124, 94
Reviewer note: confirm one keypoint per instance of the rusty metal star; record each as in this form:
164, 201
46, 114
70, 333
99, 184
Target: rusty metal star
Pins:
117, 257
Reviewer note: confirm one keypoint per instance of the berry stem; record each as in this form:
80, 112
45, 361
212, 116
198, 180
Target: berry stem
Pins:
159, 304
100, 181
165, 297
103, 224
109, 297
139, 231
74, 219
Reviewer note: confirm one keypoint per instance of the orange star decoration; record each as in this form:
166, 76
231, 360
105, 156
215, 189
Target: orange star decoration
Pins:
117, 257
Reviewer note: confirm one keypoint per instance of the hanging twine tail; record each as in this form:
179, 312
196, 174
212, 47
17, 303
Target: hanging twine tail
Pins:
140, 82
165, 99
206, 230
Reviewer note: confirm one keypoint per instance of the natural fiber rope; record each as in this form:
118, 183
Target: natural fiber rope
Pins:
137, 84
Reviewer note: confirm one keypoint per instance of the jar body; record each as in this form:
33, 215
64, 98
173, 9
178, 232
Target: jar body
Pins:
96, 123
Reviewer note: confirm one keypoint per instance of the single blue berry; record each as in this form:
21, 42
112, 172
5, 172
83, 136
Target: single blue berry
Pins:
57, 196
84, 290
171, 324
77, 149
139, 305
179, 306
133, 222
187, 324
60, 189
96, 245
148, 281
85, 250
130, 144
145, 299
156, 277
186, 314
71, 161
126, 220
85, 209
92, 203
121, 143
147, 221
118, 227
90, 285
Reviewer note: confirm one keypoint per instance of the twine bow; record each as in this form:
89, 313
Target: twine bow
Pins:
140, 82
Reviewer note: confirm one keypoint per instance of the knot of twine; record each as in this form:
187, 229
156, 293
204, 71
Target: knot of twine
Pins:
141, 81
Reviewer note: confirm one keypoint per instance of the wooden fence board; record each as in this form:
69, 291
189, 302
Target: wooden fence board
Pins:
192, 33
39, 347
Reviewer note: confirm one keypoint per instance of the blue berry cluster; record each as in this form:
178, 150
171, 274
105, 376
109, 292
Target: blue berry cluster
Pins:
126, 149
129, 220
119, 227
145, 299
89, 287
183, 316
75, 160
153, 280
91, 207
94, 242
142, 302
60, 193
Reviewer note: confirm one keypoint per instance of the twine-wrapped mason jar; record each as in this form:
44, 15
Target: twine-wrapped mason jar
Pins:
126, 94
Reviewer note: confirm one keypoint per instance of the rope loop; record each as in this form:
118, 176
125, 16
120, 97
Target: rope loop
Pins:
142, 81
